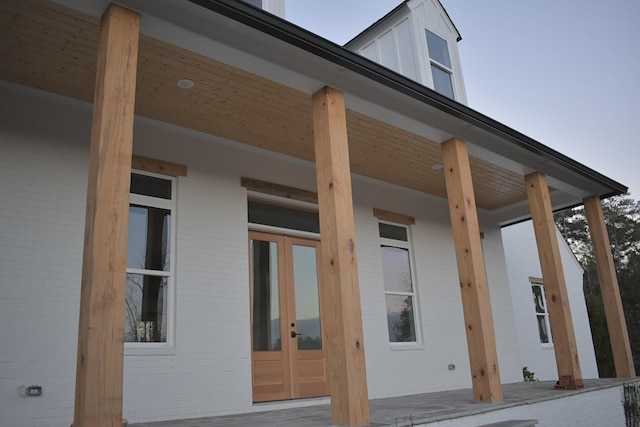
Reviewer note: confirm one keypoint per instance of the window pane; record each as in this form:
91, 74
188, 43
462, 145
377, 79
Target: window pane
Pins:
146, 308
305, 279
538, 299
284, 217
150, 186
542, 329
395, 232
442, 81
265, 296
400, 318
149, 238
396, 269
438, 50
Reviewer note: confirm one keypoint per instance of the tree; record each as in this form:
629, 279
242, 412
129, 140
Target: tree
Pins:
622, 217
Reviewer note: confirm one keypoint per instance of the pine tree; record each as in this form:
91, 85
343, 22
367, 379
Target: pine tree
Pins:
622, 217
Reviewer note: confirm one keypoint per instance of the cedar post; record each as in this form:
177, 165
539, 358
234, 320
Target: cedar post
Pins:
98, 398
481, 343
622, 357
564, 340
342, 319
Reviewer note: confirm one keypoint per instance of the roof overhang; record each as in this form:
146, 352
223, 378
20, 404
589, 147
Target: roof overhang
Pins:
379, 100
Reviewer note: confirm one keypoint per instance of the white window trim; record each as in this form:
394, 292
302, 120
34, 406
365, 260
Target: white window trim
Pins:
418, 343
540, 283
140, 348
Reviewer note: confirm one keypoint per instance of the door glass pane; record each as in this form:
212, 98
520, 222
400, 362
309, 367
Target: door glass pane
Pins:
265, 296
400, 318
305, 277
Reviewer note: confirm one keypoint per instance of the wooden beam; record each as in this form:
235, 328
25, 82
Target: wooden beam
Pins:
622, 357
98, 398
342, 317
481, 341
393, 217
285, 191
564, 340
158, 166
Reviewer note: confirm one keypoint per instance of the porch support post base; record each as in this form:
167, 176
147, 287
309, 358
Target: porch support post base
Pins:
568, 383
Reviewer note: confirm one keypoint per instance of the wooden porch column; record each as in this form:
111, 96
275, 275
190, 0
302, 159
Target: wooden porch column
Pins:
343, 317
481, 341
618, 334
564, 340
98, 399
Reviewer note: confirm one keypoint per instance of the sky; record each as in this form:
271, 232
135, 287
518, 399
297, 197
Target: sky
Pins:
564, 72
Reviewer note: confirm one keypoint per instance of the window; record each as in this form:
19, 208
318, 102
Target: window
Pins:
281, 216
399, 285
542, 315
149, 294
440, 61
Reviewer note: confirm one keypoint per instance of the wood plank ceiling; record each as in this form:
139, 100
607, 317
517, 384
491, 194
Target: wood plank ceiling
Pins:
53, 48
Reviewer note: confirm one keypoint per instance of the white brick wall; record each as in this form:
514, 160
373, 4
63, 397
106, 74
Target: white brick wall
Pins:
522, 262
43, 168
42, 187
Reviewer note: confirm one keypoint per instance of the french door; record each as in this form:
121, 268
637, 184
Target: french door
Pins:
287, 356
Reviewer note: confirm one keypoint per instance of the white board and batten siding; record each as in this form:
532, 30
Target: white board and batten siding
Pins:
399, 43
275, 7
207, 371
395, 49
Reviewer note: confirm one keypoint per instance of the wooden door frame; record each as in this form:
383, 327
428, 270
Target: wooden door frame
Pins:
286, 298
295, 354
283, 306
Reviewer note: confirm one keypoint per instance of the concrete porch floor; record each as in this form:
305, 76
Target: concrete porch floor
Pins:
397, 411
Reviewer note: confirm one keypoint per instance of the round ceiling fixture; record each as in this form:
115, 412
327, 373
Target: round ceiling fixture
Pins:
186, 83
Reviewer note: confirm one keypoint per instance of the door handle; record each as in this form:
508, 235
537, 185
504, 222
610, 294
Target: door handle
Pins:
294, 334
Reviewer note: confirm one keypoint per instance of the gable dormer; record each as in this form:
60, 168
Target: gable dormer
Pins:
275, 7
418, 40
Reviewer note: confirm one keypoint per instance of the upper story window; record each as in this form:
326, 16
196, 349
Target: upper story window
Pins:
440, 61
399, 284
149, 292
542, 314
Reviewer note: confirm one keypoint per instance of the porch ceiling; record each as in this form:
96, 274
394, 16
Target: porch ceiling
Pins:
53, 48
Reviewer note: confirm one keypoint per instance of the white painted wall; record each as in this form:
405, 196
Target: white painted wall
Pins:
522, 263
43, 167
395, 48
274, 6
399, 43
